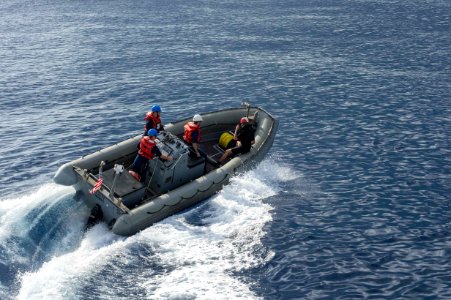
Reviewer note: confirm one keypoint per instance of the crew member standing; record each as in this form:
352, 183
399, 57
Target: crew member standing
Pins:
153, 120
192, 135
147, 150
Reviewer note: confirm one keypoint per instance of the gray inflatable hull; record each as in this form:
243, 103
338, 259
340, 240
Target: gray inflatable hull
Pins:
124, 221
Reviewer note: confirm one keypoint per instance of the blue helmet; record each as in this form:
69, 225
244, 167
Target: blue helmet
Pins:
156, 108
152, 132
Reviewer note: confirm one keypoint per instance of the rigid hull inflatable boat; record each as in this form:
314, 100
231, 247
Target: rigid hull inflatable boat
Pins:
128, 205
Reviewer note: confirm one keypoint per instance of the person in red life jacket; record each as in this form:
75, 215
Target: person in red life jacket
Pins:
153, 120
191, 135
147, 150
244, 136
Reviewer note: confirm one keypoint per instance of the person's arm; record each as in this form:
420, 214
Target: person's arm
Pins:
166, 157
158, 153
235, 134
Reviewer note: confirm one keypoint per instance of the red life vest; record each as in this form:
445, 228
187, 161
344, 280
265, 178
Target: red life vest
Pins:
145, 147
189, 128
155, 119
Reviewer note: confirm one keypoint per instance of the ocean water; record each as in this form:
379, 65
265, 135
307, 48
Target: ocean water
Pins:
352, 202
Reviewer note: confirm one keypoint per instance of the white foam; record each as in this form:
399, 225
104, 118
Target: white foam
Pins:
274, 172
199, 261
13, 210
60, 277
205, 258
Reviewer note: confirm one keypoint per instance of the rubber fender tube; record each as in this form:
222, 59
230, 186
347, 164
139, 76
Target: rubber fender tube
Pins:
65, 176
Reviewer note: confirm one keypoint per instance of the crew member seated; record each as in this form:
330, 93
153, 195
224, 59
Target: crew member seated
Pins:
244, 137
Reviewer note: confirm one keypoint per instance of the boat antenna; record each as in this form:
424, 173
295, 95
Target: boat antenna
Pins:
248, 106
118, 169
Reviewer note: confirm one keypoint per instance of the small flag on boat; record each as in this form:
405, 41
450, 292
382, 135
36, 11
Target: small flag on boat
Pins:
100, 181
96, 186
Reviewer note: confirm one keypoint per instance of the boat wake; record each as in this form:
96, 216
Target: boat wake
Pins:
33, 228
202, 253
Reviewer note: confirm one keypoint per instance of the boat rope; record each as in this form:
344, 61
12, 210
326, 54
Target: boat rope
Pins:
176, 162
153, 172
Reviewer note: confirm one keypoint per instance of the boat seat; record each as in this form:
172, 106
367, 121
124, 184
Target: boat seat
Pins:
218, 149
212, 160
216, 155
127, 187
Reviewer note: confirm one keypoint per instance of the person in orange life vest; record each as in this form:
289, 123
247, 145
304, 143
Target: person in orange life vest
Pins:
147, 150
244, 136
153, 120
192, 135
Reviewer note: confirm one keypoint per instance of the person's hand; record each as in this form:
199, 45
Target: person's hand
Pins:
198, 154
170, 158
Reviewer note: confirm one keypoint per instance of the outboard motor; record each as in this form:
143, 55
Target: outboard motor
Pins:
95, 217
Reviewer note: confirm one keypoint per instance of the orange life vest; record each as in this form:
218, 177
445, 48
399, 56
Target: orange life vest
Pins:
189, 128
145, 147
155, 119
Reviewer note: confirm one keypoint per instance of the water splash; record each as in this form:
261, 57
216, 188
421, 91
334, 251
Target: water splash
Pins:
199, 253
13, 211
33, 227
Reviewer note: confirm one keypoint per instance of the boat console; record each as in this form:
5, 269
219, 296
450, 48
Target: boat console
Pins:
163, 176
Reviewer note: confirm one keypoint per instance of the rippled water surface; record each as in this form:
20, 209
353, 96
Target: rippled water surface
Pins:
352, 202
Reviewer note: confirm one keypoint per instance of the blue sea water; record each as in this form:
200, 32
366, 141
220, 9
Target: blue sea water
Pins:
352, 202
